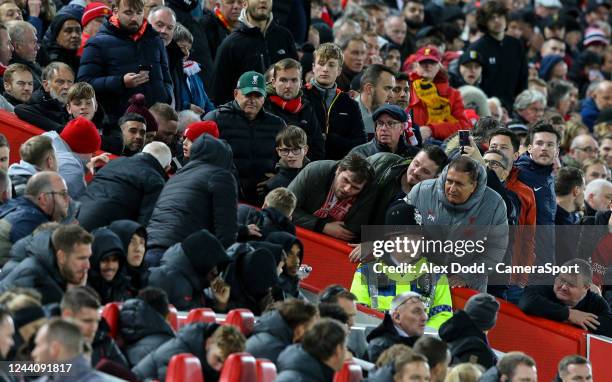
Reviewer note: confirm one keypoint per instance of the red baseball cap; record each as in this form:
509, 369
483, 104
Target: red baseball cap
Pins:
427, 53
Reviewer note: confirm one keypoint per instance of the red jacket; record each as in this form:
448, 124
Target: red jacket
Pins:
441, 130
524, 240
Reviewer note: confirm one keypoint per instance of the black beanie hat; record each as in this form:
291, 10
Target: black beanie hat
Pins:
482, 309
204, 251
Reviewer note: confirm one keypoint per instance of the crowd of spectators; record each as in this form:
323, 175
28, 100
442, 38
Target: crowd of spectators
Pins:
182, 142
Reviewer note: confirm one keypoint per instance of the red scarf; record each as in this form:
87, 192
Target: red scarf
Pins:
334, 208
136, 36
294, 106
222, 18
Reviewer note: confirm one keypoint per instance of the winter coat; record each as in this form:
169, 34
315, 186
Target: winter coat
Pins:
341, 123
283, 177
18, 218
20, 173
216, 32
142, 328
245, 49
467, 343
43, 112
106, 243
540, 300
182, 275
306, 119
311, 188
296, 365
202, 195
374, 147
440, 130
484, 208
39, 272
288, 285
104, 347
589, 112
190, 339
111, 54
253, 144
384, 336
139, 276
504, 74
24, 248
126, 188
70, 166
269, 220
270, 336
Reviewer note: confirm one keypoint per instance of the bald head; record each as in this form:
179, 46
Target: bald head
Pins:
583, 147
603, 95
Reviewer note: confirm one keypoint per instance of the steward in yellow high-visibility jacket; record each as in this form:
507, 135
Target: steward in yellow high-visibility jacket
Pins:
376, 289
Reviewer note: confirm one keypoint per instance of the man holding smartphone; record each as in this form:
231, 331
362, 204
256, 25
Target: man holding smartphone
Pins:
126, 57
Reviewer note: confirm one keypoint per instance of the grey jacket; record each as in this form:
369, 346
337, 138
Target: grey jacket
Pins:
70, 166
481, 218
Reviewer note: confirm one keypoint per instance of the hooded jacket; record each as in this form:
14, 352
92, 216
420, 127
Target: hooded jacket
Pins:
484, 209
106, 243
202, 195
269, 220
112, 53
311, 187
190, 339
439, 130
39, 272
53, 50
69, 165
296, 365
18, 218
26, 247
43, 111
125, 229
270, 336
20, 173
142, 328
467, 343
288, 285
182, 274
384, 336
125, 188
253, 144
245, 49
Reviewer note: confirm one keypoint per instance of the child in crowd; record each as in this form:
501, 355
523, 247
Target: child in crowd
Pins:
275, 216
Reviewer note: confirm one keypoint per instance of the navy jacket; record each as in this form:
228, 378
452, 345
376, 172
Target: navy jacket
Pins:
18, 218
589, 113
541, 180
111, 54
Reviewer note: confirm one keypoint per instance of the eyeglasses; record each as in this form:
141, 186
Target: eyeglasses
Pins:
493, 164
388, 125
588, 149
285, 151
64, 193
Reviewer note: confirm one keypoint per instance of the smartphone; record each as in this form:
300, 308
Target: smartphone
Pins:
464, 137
144, 68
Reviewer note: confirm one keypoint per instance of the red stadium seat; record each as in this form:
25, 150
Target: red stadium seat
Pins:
239, 367
173, 317
243, 319
350, 372
184, 367
200, 315
110, 313
266, 370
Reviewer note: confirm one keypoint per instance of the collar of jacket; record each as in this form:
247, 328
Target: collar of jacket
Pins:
114, 21
244, 20
538, 168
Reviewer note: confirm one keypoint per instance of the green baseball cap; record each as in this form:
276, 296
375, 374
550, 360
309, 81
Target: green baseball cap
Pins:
250, 82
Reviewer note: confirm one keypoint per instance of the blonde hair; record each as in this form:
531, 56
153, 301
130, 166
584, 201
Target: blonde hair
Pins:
464, 372
282, 199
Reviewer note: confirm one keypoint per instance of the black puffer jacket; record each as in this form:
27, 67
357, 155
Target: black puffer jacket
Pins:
104, 347
106, 243
190, 339
288, 284
111, 54
182, 274
215, 33
39, 272
296, 365
271, 335
467, 343
305, 119
126, 188
125, 229
384, 336
202, 195
143, 329
26, 247
253, 144
248, 49
43, 112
